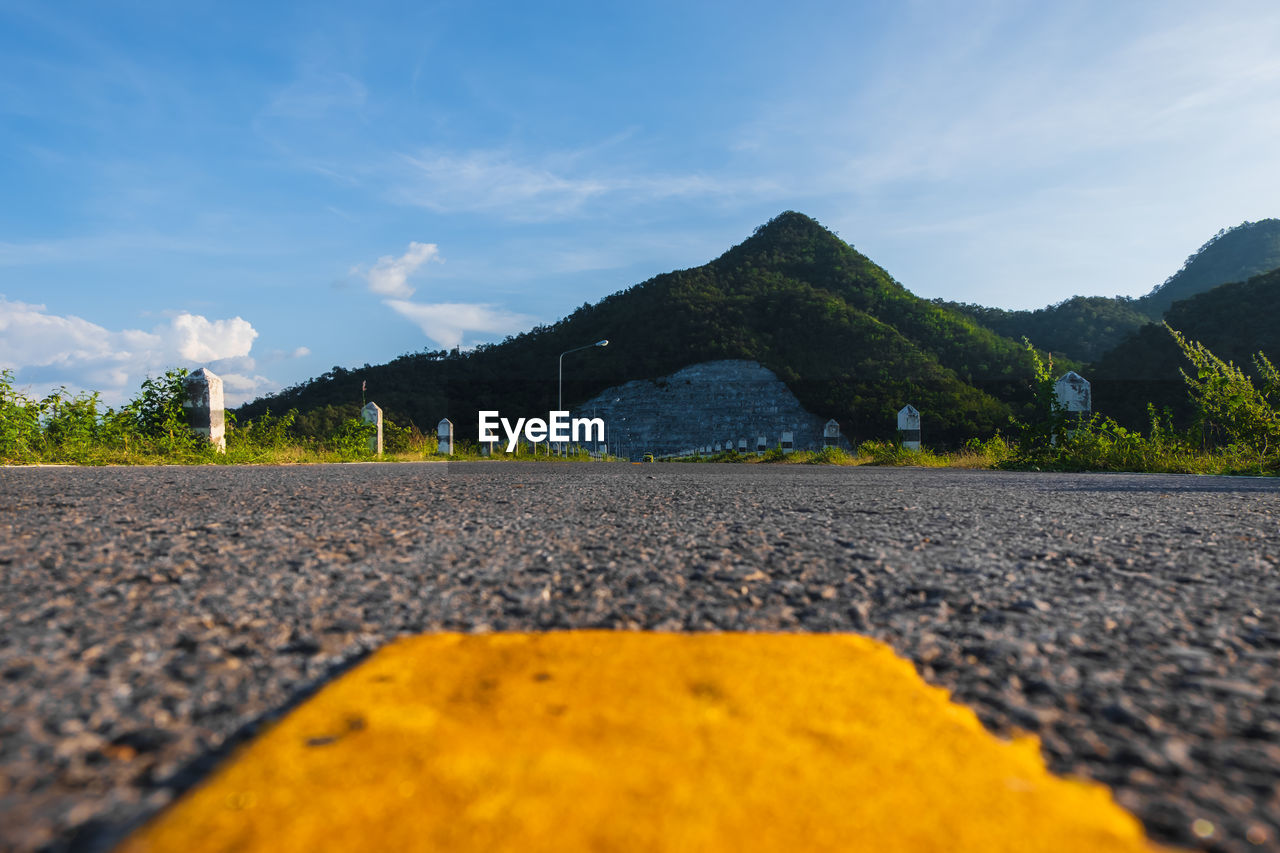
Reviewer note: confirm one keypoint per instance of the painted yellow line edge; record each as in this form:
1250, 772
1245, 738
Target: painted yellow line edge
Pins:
638, 741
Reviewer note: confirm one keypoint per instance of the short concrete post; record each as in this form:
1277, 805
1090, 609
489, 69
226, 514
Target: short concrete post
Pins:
204, 407
831, 434
742, 445
909, 427
1074, 395
762, 444
788, 442
371, 414
444, 432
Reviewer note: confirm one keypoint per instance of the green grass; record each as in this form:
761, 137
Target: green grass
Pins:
868, 453
1099, 446
1085, 451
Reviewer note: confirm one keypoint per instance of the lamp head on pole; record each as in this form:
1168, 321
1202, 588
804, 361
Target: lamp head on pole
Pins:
603, 343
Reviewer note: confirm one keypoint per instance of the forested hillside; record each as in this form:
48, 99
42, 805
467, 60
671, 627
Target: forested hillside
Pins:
1081, 328
848, 340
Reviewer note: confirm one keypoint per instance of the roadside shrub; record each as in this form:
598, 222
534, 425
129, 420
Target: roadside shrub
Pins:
989, 453
156, 421
21, 439
830, 456
1039, 438
1230, 409
398, 439
1102, 444
351, 438
269, 432
893, 453
72, 426
883, 452
1235, 419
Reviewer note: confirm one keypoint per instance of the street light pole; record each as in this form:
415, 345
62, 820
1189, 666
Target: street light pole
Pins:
560, 394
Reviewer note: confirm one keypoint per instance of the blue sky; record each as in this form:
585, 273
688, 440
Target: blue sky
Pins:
274, 189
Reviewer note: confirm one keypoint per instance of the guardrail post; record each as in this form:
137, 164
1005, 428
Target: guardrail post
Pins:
444, 431
371, 414
204, 407
1074, 395
909, 427
831, 434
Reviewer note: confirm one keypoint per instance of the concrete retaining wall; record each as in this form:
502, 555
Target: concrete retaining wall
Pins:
705, 404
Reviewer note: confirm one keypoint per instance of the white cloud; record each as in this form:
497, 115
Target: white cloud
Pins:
390, 276
196, 338
52, 350
447, 322
485, 180
238, 388
31, 336
535, 189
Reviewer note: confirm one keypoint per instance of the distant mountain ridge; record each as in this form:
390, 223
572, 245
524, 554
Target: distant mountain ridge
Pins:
849, 341
1232, 255
1084, 328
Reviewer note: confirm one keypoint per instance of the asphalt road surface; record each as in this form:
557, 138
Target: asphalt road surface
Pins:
154, 617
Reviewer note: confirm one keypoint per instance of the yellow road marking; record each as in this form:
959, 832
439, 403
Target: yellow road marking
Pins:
633, 741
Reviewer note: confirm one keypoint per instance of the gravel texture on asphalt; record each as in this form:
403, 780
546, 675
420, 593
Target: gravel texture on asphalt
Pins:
155, 617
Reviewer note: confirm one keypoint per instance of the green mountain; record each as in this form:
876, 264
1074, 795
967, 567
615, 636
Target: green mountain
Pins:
849, 341
1235, 321
1085, 327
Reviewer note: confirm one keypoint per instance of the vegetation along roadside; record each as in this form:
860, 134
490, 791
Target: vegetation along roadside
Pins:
1235, 430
